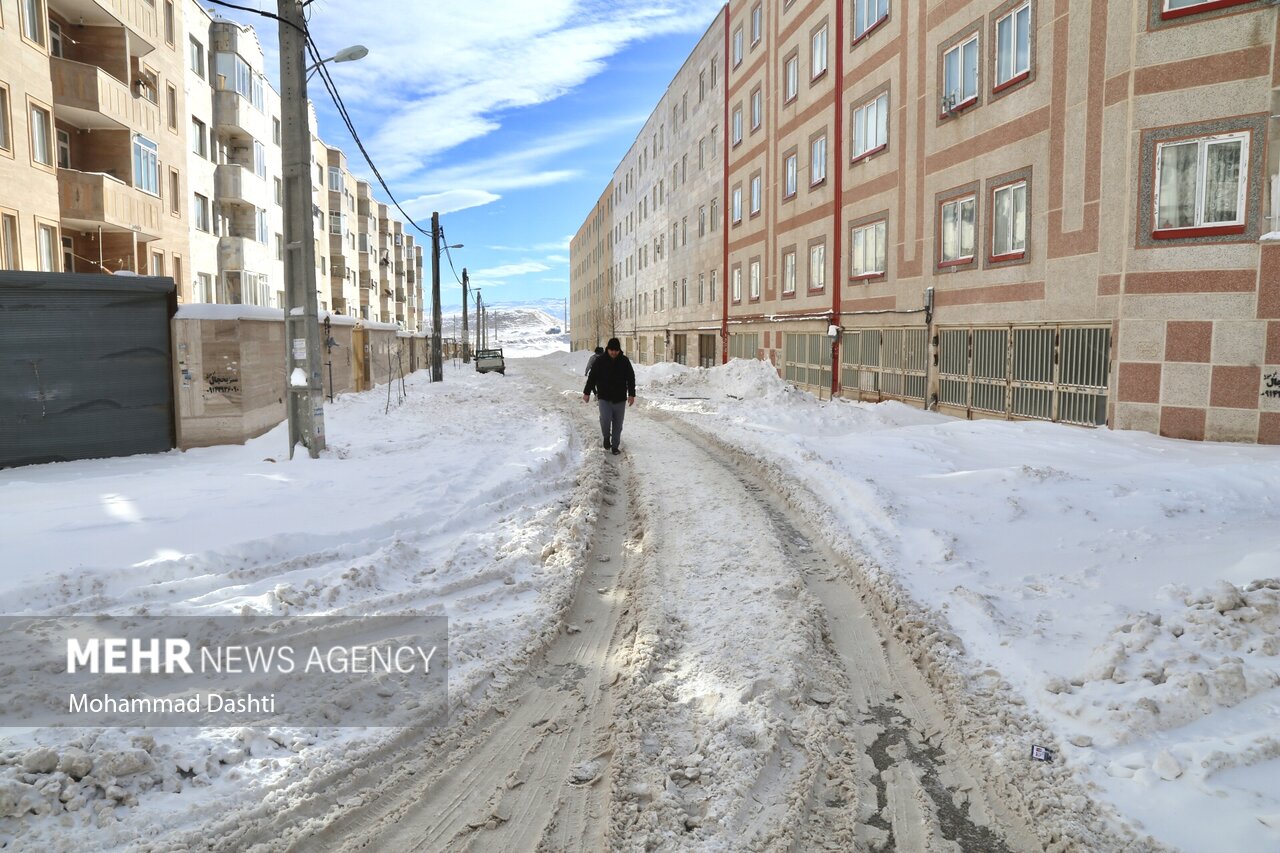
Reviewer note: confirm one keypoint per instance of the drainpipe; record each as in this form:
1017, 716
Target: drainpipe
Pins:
724, 201
838, 163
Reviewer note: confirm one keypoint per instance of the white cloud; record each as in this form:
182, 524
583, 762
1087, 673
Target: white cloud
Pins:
510, 270
450, 201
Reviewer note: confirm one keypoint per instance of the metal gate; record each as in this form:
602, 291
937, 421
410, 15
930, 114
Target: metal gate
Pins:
86, 366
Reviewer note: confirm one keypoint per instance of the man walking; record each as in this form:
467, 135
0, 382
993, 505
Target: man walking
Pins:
595, 356
614, 381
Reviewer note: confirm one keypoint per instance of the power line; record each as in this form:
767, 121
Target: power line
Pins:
449, 255
261, 12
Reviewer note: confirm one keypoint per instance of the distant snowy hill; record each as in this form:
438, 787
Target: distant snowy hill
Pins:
520, 331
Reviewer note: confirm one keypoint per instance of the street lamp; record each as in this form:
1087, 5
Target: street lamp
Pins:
347, 54
304, 387
437, 238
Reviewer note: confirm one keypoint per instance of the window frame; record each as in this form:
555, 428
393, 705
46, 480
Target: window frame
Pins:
970, 34
790, 82
735, 125
861, 34
820, 244
1199, 229
201, 212
154, 150
757, 24
754, 286
6, 121
32, 106
24, 24
878, 221
819, 137
790, 173
756, 99
735, 205
1010, 11
882, 124
1167, 14
956, 197
823, 31
55, 246
787, 278
735, 284
994, 257
736, 48
14, 247
756, 184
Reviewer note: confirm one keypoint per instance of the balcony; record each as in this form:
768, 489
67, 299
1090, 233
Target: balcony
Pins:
92, 200
90, 98
235, 115
138, 16
236, 184
243, 253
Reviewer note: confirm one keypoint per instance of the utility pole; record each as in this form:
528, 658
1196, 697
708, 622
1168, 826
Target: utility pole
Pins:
305, 390
466, 344
437, 358
479, 309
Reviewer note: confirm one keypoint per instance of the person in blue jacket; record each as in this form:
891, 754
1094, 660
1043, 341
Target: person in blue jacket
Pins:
613, 380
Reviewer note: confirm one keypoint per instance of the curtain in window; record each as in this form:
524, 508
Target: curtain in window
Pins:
1178, 165
1222, 182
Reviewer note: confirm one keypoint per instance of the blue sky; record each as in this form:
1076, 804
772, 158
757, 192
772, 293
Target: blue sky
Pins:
506, 116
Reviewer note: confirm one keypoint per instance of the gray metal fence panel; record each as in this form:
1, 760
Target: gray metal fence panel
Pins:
85, 366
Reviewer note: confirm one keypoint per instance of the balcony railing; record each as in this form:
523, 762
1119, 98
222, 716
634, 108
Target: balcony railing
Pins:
236, 184
91, 200
88, 97
138, 15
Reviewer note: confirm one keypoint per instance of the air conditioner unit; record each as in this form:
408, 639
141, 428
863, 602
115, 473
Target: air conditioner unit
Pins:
948, 104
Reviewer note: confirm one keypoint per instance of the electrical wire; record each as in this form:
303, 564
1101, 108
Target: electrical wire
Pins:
445, 242
261, 12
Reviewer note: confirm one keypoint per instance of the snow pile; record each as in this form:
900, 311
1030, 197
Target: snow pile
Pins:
1108, 594
466, 496
520, 332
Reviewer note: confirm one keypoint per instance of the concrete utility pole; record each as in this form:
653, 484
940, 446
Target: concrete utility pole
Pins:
466, 342
302, 331
437, 358
479, 309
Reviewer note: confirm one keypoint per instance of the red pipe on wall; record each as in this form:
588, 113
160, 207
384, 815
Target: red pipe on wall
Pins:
838, 163
724, 200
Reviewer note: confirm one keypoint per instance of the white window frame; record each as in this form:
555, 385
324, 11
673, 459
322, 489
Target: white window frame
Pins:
818, 262
757, 23
1203, 144
735, 205
789, 272
1017, 34
867, 243
755, 194
259, 159
757, 109
951, 215
737, 46
146, 163
953, 77
735, 284
791, 77
736, 125
195, 56
1017, 242
818, 160
63, 145
868, 13
47, 247
871, 126
753, 281
790, 174
200, 212
42, 145
818, 53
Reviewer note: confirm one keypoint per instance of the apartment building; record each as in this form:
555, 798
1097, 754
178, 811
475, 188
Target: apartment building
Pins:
595, 316
92, 137
1008, 209
202, 146
344, 263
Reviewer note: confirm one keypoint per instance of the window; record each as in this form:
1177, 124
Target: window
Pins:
788, 272
279, 191
957, 230
960, 75
735, 284
755, 194
47, 247
262, 226
702, 86
735, 206
757, 24
335, 179
146, 165
6, 137
41, 136
33, 21
9, 249
1009, 230
259, 159
715, 213
200, 212
818, 53
1201, 183
818, 266
737, 47
866, 14
275, 130
818, 161
736, 125
753, 280
175, 192
757, 110
789, 175
1178, 8
204, 288
64, 149
868, 247
199, 142
171, 103
711, 292
170, 27
791, 77
55, 39
1013, 46
195, 57
871, 126
714, 71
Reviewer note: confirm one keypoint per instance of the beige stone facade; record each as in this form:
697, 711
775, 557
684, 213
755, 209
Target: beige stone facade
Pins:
1019, 209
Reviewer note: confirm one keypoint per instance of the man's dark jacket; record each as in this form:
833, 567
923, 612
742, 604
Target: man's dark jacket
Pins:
612, 379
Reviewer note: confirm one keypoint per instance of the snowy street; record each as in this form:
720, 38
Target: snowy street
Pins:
772, 623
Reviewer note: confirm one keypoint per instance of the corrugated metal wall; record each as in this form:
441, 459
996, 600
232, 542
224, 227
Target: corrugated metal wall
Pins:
85, 366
